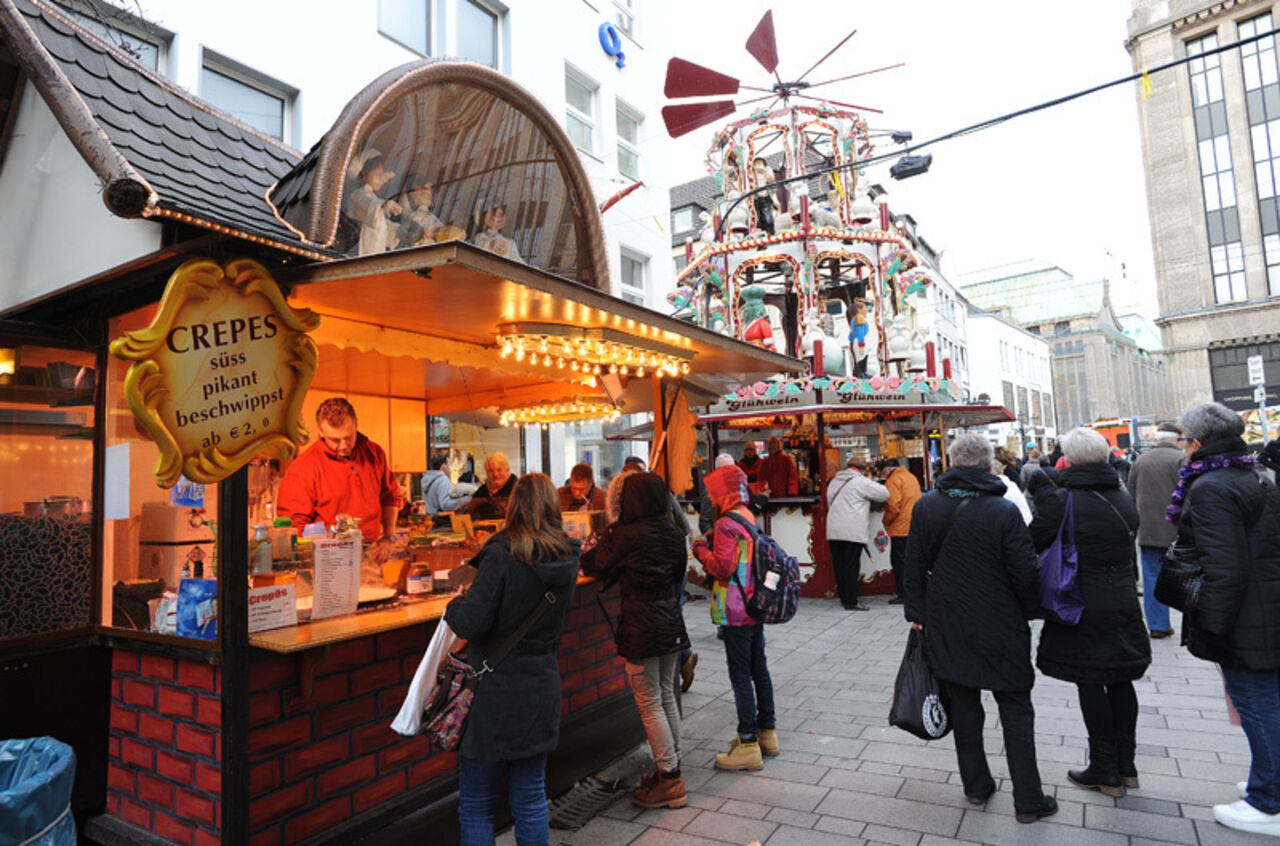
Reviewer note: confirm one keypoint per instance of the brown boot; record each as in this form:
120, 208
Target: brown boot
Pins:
666, 791
686, 672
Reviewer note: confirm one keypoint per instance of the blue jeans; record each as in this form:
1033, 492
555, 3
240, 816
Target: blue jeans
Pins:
1157, 612
1256, 695
749, 677
480, 782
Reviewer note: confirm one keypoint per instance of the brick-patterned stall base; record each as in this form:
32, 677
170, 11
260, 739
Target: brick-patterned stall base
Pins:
165, 746
321, 761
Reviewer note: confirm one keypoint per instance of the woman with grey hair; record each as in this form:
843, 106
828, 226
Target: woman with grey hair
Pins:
1228, 518
971, 582
1109, 648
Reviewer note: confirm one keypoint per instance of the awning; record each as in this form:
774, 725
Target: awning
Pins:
424, 324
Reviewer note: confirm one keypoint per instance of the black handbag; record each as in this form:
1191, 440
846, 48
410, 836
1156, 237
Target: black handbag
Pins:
1181, 576
919, 700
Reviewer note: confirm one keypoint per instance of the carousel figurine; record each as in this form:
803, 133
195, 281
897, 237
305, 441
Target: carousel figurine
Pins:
367, 208
757, 329
491, 238
418, 225
764, 202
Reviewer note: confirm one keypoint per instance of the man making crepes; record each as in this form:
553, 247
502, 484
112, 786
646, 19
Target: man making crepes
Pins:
342, 473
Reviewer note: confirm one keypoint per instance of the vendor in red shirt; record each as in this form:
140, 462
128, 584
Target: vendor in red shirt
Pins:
778, 471
342, 473
750, 463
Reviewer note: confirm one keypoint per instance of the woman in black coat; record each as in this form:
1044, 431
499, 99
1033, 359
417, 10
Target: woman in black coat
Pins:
972, 582
1109, 648
515, 717
645, 553
1228, 517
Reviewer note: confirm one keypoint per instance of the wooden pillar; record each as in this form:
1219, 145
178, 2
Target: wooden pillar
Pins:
233, 628
658, 447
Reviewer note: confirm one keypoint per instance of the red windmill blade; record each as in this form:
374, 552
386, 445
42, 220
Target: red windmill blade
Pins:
763, 45
686, 79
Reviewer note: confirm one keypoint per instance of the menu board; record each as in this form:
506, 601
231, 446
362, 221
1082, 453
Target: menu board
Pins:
337, 576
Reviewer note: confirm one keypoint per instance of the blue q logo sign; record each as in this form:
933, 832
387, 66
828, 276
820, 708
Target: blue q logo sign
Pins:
611, 43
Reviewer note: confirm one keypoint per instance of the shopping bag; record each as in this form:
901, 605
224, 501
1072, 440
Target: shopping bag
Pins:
919, 702
409, 721
1060, 595
445, 715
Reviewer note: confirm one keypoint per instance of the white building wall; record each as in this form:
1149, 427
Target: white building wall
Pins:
54, 228
1000, 352
328, 50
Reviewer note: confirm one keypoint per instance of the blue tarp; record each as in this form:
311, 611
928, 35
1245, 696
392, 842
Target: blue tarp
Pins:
36, 775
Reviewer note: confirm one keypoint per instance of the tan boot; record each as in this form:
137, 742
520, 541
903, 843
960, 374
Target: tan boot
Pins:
741, 756
768, 740
662, 792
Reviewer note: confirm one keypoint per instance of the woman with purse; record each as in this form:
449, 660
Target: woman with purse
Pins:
1228, 518
526, 571
645, 553
1109, 648
971, 582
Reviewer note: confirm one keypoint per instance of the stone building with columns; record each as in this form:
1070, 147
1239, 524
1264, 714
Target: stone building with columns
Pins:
1211, 143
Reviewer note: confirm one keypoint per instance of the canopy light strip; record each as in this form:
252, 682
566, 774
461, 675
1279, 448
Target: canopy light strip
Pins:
590, 351
574, 411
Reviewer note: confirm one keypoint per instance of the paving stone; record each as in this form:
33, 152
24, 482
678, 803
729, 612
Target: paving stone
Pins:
1212, 833
1004, 830
789, 836
836, 825
1133, 802
887, 834
791, 819
602, 831
729, 828
750, 810
751, 787
1131, 822
862, 782
671, 819
932, 819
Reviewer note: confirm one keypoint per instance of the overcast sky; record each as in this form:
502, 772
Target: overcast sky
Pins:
1064, 185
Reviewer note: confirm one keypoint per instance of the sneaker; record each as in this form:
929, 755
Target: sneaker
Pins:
741, 756
858, 606
1244, 817
1048, 807
1160, 634
768, 740
686, 672
1243, 788
664, 792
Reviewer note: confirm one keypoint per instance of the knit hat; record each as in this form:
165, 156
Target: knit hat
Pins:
724, 459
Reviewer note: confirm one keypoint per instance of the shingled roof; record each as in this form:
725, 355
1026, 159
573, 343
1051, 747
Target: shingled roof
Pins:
160, 151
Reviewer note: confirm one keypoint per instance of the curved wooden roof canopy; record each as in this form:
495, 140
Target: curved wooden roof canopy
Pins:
481, 139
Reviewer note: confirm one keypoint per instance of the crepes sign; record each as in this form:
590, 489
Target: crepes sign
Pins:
220, 374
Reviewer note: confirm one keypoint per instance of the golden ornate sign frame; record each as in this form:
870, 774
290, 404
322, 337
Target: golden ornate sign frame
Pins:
147, 387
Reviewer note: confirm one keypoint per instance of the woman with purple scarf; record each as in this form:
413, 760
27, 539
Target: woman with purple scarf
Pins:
1229, 516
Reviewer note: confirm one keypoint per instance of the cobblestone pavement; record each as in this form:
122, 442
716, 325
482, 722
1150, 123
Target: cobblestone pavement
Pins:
846, 777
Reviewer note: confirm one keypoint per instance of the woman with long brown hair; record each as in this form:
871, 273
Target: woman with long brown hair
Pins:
515, 718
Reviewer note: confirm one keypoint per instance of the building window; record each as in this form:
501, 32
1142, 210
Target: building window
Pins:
407, 22
477, 33
254, 99
580, 120
135, 37
1222, 217
632, 287
1262, 98
1062, 327
626, 16
1004, 356
628, 126
682, 219
1007, 390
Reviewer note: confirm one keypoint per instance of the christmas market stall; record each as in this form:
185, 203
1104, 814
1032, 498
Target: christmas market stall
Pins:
437, 256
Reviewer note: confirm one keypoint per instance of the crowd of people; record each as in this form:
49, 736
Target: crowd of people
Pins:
966, 563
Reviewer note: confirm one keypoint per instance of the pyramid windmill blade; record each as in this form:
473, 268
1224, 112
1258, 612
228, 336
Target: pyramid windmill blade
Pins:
686, 79
762, 44
686, 117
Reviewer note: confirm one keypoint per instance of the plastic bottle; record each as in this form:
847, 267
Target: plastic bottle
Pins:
284, 542
419, 581
260, 549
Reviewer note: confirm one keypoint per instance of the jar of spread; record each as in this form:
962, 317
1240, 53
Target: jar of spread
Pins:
418, 582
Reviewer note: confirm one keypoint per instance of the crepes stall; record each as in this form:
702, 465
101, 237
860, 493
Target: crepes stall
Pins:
437, 256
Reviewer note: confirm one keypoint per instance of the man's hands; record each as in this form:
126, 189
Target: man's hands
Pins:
381, 550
